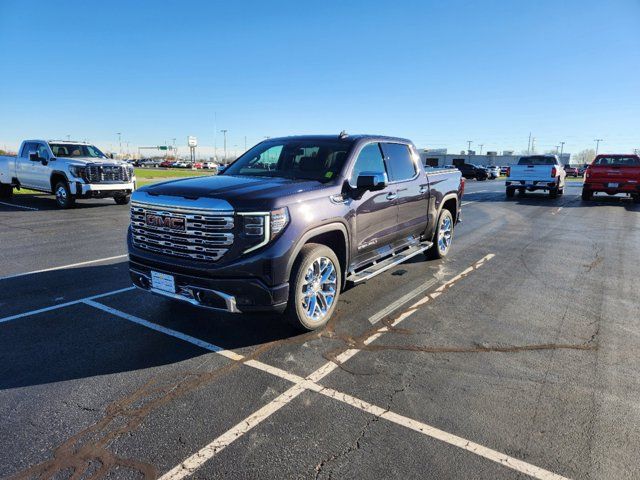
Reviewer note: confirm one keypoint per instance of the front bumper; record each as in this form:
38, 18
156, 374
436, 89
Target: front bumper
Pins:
101, 189
204, 289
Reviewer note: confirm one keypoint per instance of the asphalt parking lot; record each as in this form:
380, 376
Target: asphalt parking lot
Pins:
515, 357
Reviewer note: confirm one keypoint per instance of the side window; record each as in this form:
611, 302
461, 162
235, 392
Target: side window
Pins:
43, 151
28, 147
401, 165
264, 162
369, 160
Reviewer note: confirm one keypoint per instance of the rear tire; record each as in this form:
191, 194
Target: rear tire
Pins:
314, 287
553, 192
122, 200
64, 199
6, 191
443, 236
587, 194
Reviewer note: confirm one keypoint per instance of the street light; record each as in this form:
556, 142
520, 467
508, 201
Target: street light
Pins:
224, 133
597, 140
120, 142
561, 149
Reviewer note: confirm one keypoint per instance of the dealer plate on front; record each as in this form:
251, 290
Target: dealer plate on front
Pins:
613, 185
162, 281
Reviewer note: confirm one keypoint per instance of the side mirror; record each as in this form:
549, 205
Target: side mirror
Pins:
33, 156
371, 181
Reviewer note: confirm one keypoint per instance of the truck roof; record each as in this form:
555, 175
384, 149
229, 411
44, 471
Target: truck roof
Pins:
342, 137
70, 142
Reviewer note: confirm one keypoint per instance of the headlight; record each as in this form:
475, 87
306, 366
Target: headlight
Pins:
263, 226
77, 170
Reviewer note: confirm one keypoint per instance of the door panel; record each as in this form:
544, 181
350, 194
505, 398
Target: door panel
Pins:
376, 219
412, 189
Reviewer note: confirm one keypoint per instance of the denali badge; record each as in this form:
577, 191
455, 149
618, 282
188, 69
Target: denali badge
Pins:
165, 221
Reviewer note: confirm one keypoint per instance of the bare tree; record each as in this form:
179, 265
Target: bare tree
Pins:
584, 156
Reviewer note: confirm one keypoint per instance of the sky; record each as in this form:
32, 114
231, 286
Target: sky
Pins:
438, 72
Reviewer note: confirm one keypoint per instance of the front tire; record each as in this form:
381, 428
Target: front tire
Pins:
443, 236
587, 194
314, 287
6, 191
511, 192
64, 199
122, 200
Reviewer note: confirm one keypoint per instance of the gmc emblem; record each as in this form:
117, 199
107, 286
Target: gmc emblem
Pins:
165, 221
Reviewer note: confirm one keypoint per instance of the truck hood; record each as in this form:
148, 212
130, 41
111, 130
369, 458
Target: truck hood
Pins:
240, 191
97, 161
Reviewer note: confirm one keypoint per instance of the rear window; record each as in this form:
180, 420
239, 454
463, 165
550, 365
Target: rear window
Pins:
537, 160
629, 161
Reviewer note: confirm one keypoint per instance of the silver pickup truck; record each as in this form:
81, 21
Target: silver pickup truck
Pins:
68, 170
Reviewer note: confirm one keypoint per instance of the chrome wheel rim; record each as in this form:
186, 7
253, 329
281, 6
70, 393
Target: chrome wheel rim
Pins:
318, 289
445, 232
61, 195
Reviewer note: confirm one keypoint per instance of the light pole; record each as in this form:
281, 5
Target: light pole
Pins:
120, 141
224, 133
175, 150
469, 142
481, 145
561, 149
597, 140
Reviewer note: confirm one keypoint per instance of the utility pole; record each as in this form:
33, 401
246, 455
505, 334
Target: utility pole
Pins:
597, 140
529, 145
533, 145
120, 142
68, 138
224, 133
469, 142
175, 150
561, 149
481, 145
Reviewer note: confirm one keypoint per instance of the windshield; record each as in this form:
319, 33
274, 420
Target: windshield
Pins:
70, 150
319, 160
537, 160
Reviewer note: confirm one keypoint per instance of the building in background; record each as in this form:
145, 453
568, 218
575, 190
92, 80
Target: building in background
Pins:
439, 158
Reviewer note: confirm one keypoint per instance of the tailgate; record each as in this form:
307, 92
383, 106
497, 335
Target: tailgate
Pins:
531, 172
614, 174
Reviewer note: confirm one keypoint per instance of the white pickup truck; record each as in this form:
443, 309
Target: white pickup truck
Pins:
69, 170
536, 172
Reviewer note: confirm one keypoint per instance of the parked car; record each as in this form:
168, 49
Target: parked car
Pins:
197, 165
180, 164
210, 165
504, 169
571, 171
536, 172
493, 171
330, 211
472, 171
613, 174
68, 170
582, 169
222, 167
166, 164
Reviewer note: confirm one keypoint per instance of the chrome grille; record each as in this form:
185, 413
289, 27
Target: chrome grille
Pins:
206, 236
107, 174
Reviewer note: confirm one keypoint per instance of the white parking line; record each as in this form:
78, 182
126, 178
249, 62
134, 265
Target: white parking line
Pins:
467, 203
392, 307
62, 305
18, 206
195, 461
62, 267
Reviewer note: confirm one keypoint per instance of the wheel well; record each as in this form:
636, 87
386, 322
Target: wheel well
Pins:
55, 178
452, 206
333, 239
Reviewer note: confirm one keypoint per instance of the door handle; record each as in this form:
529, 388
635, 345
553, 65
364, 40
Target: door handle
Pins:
424, 188
392, 196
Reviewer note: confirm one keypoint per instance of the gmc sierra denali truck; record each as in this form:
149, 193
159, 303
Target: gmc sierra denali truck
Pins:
290, 223
68, 170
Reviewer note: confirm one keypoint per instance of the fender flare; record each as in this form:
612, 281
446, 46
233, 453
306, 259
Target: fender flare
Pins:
334, 226
58, 172
445, 199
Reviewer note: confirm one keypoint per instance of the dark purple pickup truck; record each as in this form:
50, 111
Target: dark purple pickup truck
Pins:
291, 223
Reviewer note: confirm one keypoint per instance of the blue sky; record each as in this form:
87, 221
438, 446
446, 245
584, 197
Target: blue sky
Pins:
440, 73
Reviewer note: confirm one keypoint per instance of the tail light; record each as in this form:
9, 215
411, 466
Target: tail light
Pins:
508, 171
554, 172
587, 172
462, 186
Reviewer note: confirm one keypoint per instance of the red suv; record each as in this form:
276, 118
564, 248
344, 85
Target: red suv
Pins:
613, 174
